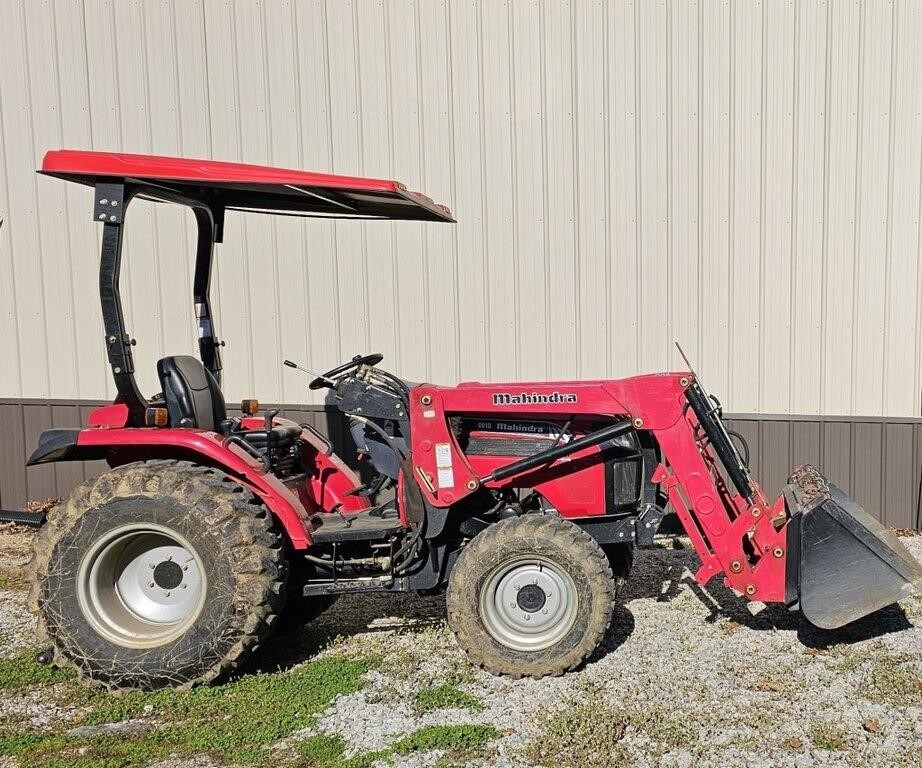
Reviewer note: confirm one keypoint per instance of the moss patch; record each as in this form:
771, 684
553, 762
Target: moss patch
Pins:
445, 696
233, 722
459, 743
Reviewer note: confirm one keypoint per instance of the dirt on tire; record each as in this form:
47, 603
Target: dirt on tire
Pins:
232, 534
556, 540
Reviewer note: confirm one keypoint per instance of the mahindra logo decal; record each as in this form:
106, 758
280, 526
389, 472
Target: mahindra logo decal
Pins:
532, 398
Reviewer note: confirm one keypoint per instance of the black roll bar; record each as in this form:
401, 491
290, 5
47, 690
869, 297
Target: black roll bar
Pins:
111, 200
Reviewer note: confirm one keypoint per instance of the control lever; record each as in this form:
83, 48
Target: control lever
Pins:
309, 372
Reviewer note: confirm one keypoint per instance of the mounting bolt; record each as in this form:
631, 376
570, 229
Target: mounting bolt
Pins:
750, 589
736, 566
426, 400
117, 369
104, 201
756, 511
683, 382
472, 485
114, 203
101, 216
112, 218
638, 423
778, 552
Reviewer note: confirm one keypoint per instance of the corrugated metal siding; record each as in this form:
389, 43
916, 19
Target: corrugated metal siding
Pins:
742, 176
878, 461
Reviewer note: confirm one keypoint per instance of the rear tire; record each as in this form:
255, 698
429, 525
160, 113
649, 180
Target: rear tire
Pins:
161, 573
531, 596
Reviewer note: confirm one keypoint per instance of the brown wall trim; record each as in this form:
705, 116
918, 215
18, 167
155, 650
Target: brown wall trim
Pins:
876, 460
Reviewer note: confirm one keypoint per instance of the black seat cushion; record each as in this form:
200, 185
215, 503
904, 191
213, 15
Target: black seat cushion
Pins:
193, 397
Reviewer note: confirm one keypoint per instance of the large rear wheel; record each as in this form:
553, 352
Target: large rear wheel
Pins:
531, 596
157, 574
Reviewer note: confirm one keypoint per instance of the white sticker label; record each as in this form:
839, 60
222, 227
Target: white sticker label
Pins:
443, 454
429, 414
446, 477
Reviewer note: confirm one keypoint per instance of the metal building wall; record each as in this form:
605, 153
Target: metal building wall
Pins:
742, 176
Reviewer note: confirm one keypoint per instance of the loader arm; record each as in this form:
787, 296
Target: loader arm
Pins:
732, 525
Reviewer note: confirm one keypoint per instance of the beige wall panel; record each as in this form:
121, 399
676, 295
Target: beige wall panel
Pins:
741, 176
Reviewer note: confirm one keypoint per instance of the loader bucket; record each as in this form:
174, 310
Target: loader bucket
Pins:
842, 563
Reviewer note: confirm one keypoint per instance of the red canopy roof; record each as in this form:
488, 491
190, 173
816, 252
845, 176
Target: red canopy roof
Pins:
248, 187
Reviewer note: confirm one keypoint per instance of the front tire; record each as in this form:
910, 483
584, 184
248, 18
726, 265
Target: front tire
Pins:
531, 596
162, 573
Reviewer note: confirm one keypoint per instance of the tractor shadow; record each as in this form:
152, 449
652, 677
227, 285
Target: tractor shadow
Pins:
722, 603
348, 617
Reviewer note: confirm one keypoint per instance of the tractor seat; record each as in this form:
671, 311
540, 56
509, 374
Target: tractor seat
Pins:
193, 397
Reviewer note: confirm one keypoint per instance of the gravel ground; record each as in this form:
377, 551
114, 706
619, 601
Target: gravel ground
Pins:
685, 678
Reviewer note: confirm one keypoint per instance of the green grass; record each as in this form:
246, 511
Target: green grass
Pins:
886, 677
234, 722
894, 679
588, 734
458, 742
10, 580
585, 735
445, 696
23, 673
827, 737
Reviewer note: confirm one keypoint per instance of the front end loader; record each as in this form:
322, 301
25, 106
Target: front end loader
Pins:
523, 501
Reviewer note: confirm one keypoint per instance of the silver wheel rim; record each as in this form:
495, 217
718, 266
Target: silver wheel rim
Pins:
141, 585
528, 603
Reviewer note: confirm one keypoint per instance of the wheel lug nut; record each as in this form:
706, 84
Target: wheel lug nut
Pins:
544, 611
516, 587
151, 565
185, 567
182, 586
169, 557
151, 584
527, 617
534, 580
166, 594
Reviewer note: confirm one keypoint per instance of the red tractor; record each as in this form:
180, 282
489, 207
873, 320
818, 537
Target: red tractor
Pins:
524, 500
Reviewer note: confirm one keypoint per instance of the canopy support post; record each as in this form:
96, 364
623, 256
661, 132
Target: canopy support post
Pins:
210, 223
109, 208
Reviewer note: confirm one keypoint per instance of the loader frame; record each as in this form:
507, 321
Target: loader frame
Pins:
735, 531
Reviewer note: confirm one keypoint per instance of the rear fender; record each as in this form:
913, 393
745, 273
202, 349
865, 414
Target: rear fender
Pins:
137, 444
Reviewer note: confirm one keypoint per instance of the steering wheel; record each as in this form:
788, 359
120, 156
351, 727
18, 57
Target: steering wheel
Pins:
323, 381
